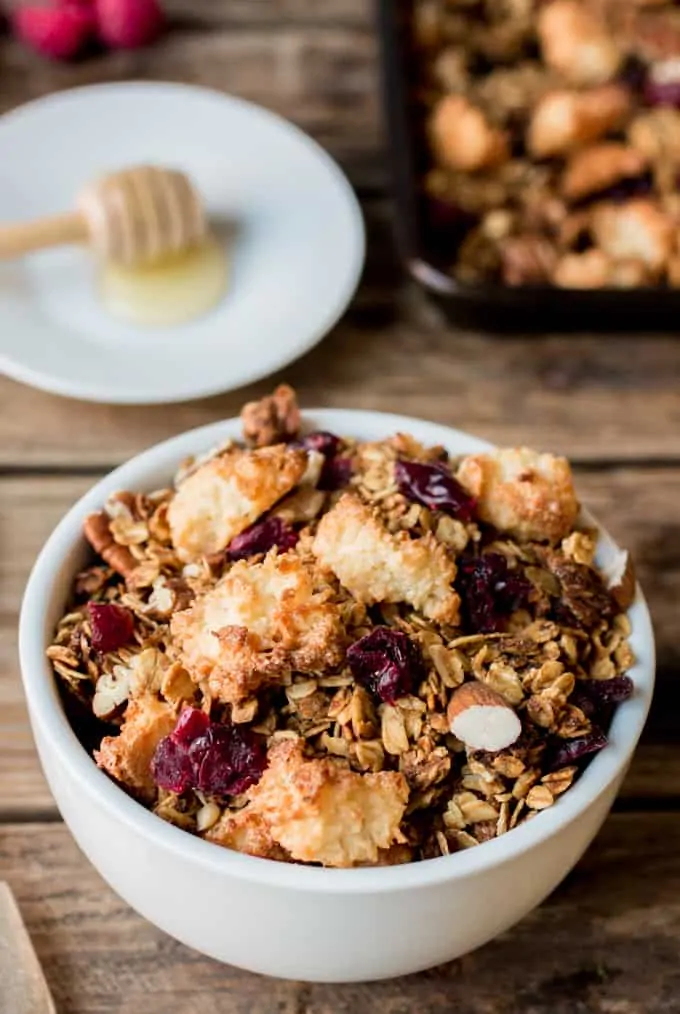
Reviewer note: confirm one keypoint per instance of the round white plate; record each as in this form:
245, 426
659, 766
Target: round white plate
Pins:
296, 259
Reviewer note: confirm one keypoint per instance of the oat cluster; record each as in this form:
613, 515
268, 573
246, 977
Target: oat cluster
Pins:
319, 650
553, 132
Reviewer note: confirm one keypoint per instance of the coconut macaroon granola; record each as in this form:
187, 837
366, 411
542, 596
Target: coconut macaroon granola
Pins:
551, 131
318, 650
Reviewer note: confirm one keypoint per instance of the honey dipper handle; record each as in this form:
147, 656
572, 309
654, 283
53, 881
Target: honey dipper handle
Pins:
23, 238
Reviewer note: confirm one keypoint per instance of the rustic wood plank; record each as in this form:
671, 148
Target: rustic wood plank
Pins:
23, 988
605, 942
216, 13
589, 397
639, 506
323, 77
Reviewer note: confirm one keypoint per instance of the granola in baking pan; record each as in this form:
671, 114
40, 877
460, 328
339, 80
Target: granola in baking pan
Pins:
552, 130
346, 653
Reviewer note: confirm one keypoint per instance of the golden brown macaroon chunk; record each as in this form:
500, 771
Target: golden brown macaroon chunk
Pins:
127, 756
593, 269
522, 493
577, 43
638, 230
463, 138
563, 120
246, 831
321, 812
600, 166
260, 622
376, 566
227, 494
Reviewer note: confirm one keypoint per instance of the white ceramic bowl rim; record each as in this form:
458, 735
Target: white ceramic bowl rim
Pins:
36, 624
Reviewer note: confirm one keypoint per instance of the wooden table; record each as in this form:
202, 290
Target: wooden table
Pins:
609, 938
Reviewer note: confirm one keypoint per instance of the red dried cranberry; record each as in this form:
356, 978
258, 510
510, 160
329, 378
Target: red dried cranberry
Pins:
226, 760
489, 592
434, 487
171, 767
112, 625
321, 441
604, 692
335, 474
571, 750
220, 760
191, 724
386, 662
261, 537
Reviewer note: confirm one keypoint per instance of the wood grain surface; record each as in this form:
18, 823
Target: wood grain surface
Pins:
607, 941
604, 943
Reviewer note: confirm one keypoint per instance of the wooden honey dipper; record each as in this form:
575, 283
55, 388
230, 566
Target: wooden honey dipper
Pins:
133, 217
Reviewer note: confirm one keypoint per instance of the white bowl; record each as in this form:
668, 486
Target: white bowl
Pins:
294, 921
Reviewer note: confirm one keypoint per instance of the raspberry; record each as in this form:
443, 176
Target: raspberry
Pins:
128, 24
59, 33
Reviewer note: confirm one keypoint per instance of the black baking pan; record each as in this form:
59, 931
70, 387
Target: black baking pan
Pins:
491, 306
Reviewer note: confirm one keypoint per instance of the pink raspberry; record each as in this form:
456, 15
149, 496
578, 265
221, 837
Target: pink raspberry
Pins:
128, 24
59, 33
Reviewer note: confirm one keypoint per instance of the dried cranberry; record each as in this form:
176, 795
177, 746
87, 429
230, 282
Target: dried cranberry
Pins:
325, 443
191, 723
261, 537
489, 592
171, 767
112, 625
335, 474
434, 487
598, 699
571, 750
603, 692
387, 662
226, 760
220, 760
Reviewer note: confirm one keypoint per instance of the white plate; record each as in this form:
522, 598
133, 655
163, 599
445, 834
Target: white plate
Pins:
296, 261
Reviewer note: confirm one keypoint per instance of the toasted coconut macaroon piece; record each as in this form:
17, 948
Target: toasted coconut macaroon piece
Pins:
127, 756
656, 134
600, 166
563, 120
322, 812
223, 497
482, 719
587, 270
259, 622
463, 138
638, 230
577, 43
522, 492
376, 566
246, 831
593, 269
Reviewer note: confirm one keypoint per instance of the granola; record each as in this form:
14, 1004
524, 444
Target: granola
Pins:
382, 656
539, 112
